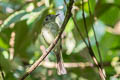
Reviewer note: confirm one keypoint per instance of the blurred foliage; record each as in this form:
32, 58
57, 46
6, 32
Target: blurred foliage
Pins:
20, 39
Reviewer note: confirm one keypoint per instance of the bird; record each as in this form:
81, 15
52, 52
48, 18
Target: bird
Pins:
49, 31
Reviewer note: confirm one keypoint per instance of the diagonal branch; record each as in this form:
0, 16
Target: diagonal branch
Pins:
35, 65
65, 2
76, 25
97, 44
90, 48
85, 24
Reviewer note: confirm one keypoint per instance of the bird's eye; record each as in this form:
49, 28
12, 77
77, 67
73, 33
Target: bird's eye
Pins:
46, 19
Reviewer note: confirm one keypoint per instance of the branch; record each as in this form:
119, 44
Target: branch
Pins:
35, 65
65, 2
97, 44
89, 48
2, 74
76, 25
101, 73
72, 64
12, 43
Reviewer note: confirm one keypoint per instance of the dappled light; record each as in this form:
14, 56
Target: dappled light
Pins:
59, 39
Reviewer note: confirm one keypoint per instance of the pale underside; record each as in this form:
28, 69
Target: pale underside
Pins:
50, 31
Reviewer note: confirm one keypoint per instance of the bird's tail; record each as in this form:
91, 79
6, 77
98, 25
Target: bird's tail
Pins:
60, 66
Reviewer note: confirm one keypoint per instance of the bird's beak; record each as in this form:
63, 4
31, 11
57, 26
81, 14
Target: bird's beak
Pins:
57, 15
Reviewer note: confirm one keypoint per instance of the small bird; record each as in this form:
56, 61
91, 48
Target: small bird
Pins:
49, 31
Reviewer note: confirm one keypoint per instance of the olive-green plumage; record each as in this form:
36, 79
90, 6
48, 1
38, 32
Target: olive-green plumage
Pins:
49, 31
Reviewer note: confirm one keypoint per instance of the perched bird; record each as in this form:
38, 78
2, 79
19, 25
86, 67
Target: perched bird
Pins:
49, 31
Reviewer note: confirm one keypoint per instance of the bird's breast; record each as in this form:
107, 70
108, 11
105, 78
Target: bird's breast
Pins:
50, 31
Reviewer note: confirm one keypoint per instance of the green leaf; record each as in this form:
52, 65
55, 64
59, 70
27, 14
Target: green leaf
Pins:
69, 26
3, 44
21, 30
117, 2
26, 35
109, 13
36, 25
108, 44
101, 9
5, 63
111, 16
13, 18
92, 4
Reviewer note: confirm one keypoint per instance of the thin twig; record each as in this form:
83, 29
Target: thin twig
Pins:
97, 64
72, 64
11, 43
42, 48
97, 44
65, 2
85, 25
90, 48
2, 74
75, 22
35, 65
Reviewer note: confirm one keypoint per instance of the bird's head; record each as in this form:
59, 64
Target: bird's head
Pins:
50, 18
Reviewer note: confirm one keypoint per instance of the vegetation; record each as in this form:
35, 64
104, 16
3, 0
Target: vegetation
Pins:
21, 40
